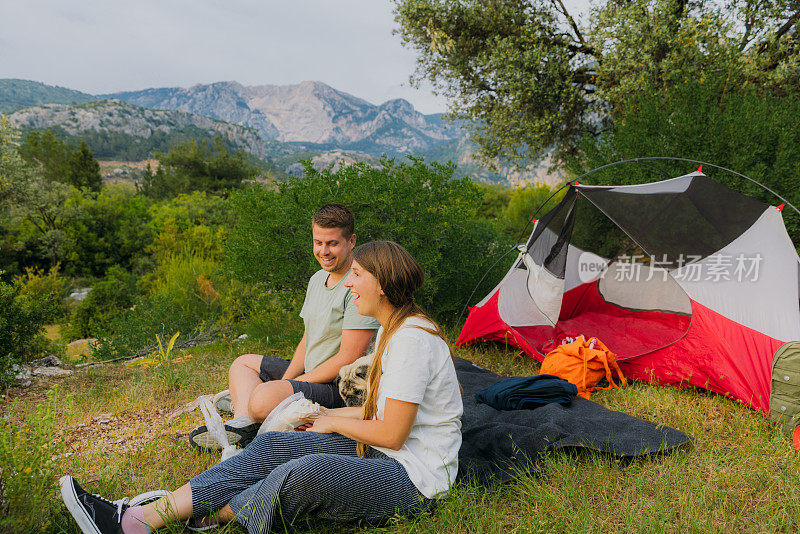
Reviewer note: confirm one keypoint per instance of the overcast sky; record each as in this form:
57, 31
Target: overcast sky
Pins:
104, 46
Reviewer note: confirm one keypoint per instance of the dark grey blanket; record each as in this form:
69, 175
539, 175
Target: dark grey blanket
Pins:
500, 444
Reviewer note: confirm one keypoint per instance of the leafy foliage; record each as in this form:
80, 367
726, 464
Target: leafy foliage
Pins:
22, 320
524, 204
136, 328
529, 76
32, 207
49, 152
418, 206
106, 301
194, 166
47, 289
109, 229
60, 162
83, 170
740, 128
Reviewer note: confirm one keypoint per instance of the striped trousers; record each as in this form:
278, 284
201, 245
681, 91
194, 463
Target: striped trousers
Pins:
296, 473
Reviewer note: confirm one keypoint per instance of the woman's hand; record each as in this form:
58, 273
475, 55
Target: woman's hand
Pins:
324, 424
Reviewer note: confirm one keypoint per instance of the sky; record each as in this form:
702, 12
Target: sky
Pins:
105, 46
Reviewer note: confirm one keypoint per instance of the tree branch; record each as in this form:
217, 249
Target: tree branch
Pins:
571, 21
780, 33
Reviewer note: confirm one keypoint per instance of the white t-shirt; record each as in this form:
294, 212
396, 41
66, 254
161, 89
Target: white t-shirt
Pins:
417, 368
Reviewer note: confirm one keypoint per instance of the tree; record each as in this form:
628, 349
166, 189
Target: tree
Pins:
109, 229
30, 203
528, 76
739, 128
83, 170
48, 151
194, 166
61, 163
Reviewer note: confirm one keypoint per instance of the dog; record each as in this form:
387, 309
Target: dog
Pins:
353, 381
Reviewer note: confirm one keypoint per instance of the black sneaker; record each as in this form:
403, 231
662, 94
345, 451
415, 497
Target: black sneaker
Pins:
239, 431
94, 514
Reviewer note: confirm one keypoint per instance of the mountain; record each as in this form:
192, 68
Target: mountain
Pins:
16, 94
308, 112
278, 123
103, 119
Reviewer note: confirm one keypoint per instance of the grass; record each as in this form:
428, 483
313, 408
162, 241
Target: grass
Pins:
112, 434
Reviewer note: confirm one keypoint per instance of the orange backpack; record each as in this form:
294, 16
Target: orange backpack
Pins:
584, 363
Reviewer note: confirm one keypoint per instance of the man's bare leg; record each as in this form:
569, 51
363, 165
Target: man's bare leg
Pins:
243, 378
266, 396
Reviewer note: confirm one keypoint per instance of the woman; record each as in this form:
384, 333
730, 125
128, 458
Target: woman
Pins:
396, 455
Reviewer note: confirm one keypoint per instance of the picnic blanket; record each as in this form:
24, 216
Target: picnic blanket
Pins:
497, 445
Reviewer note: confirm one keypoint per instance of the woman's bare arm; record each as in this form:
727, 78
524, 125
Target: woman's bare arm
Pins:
390, 432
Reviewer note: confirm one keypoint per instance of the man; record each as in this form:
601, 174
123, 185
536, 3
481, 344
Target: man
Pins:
335, 335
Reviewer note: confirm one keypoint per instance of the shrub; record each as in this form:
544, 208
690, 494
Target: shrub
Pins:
264, 315
193, 166
109, 230
187, 282
189, 224
525, 203
47, 289
419, 206
107, 300
183, 294
136, 329
22, 319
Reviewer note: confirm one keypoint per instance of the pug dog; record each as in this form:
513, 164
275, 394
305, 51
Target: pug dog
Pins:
353, 381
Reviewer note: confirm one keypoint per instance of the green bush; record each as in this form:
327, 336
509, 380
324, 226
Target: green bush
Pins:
189, 224
187, 282
194, 166
523, 204
264, 315
107, 300
22, 320
184, 294
754, 133
48, 289
419, 206
111, 229
136, 329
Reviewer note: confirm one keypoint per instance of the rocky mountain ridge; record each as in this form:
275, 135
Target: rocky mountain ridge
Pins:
121, 117
280, 124
308, 112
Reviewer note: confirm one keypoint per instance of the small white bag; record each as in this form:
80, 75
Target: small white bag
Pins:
216, 428
294, 411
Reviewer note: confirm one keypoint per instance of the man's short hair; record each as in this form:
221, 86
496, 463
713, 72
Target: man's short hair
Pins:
335, 215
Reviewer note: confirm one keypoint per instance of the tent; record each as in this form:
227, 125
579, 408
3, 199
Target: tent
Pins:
705, 296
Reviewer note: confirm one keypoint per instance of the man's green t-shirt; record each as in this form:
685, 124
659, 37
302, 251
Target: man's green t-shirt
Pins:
326, 312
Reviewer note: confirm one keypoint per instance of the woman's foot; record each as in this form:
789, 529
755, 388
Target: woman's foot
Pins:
93, 513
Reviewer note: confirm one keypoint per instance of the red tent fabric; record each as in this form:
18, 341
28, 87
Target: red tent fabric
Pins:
711, 320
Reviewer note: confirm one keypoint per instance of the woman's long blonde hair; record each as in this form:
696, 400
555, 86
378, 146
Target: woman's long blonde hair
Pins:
399, 276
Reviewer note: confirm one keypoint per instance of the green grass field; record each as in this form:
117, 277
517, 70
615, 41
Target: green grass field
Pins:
108, 426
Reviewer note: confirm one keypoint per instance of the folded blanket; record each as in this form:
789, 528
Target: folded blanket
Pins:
527, 392
497, 445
